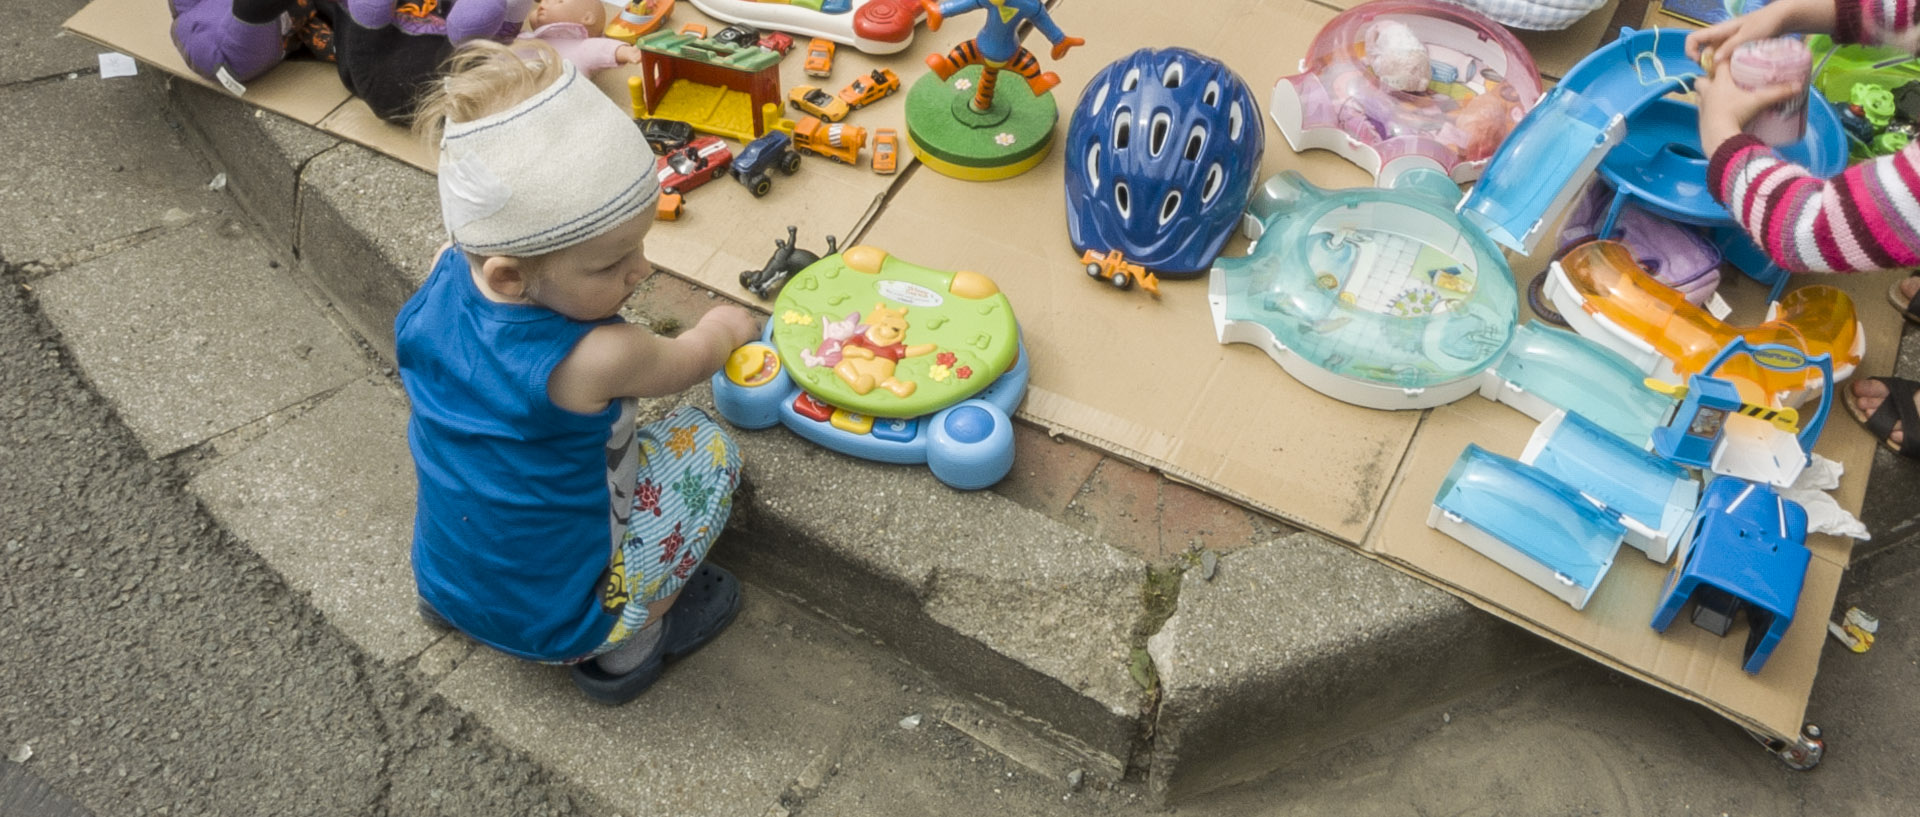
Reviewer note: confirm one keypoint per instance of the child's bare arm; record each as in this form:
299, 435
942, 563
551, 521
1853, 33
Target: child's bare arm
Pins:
624, 360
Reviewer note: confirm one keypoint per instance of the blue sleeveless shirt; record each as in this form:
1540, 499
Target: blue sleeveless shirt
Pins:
516, 519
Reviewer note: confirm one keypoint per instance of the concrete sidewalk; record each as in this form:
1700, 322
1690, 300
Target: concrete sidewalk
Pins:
245, 332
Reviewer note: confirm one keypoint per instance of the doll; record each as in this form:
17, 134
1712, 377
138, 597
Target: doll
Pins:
573, 28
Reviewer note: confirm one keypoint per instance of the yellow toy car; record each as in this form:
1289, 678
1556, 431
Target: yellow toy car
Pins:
812, 101
819, 57
1114, 268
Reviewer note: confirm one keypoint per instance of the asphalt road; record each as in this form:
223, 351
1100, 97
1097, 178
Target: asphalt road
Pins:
151, 664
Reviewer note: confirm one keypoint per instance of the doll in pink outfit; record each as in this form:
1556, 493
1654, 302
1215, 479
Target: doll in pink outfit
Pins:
573, 28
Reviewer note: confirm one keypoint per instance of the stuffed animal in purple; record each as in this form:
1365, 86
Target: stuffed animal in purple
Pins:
467, 20
244, 38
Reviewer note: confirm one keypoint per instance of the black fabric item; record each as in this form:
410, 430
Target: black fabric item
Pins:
387, 67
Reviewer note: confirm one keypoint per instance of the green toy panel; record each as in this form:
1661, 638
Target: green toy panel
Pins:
879, 336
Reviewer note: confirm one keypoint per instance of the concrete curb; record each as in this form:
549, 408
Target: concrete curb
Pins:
1297, 643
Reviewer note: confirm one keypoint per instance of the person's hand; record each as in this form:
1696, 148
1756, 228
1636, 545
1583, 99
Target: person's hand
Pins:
626, 55
1060, 48
1715, 43
1726, 108
734, 323
1711, 46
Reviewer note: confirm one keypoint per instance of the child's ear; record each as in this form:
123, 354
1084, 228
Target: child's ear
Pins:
505, 276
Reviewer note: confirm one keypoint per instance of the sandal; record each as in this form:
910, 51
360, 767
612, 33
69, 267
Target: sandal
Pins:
707, 604
1896, 408
1909, 308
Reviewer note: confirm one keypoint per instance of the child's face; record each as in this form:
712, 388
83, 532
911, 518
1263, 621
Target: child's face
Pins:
591, 280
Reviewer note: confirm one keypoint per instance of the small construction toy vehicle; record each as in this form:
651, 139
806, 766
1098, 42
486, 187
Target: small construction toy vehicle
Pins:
841, 143
775, 149
1114, 268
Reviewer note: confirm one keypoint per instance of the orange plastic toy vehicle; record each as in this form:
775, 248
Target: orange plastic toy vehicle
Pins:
1114, 268
819, 57
886, 150
841, 143
871, 88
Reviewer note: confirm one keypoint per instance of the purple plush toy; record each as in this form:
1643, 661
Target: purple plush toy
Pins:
469, 20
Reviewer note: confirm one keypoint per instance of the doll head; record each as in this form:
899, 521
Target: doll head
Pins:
589, 13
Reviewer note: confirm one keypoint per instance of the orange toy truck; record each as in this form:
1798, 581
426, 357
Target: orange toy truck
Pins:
838, 142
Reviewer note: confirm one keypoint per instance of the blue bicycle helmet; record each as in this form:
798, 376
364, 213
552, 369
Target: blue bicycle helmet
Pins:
1161, 157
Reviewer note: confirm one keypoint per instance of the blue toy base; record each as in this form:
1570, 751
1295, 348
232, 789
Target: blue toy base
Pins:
968, 445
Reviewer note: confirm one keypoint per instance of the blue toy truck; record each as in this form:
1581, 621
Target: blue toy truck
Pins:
775, 149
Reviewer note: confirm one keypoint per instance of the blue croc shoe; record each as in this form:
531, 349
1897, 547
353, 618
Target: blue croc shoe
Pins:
708, 603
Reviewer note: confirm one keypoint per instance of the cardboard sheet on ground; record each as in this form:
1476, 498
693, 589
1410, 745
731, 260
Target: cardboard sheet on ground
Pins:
1144, 378
724, 230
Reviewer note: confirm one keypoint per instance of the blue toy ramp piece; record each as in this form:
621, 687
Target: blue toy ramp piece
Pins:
1543, 164
1547, 369
1746, 551
1529, 522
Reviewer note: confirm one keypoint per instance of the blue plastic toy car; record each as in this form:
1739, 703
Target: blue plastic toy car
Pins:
772, 150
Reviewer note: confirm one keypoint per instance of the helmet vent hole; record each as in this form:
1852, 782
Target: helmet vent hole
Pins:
1121, 200
1196, 139
1099, 99
1173, 75
1093, 167
1157, 137
1211, 96
1131, 80
1216, 179
1169, 207
1235, 122
1122, 128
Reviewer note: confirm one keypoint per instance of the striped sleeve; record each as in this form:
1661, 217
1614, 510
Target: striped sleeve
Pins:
1874, 21
1865, 218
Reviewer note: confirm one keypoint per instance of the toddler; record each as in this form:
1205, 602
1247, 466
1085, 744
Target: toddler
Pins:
548, 526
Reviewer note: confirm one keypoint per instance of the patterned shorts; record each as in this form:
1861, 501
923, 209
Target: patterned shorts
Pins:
689, 469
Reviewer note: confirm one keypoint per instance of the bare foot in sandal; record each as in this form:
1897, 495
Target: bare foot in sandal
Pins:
1888, 406
1905, 295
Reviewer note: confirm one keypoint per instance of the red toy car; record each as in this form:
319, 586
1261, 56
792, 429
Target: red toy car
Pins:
702, 160
777, 41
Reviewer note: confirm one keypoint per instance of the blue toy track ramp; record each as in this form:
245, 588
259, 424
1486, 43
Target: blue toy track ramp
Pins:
1529, 522
1548, 158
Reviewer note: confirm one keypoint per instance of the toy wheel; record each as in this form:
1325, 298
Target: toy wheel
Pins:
1543, 308
718, 172
791, 163
1121, 281
761, 186
1093, 270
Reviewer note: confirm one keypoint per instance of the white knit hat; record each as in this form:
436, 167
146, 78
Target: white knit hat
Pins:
560, 168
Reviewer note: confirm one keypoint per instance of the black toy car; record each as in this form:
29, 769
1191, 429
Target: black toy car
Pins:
665, 135
738, 36
775, 149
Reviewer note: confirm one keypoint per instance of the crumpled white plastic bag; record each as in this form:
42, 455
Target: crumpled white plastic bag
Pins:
1823, 514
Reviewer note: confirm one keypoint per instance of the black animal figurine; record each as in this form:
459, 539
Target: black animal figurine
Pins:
787, 260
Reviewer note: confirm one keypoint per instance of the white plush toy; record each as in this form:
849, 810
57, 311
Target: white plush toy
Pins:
1397, 56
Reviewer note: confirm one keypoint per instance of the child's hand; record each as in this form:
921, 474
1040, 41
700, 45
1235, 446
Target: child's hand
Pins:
734, 322
1726, 108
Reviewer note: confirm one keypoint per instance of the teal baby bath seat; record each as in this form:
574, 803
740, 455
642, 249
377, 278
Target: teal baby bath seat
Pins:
1378, 297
